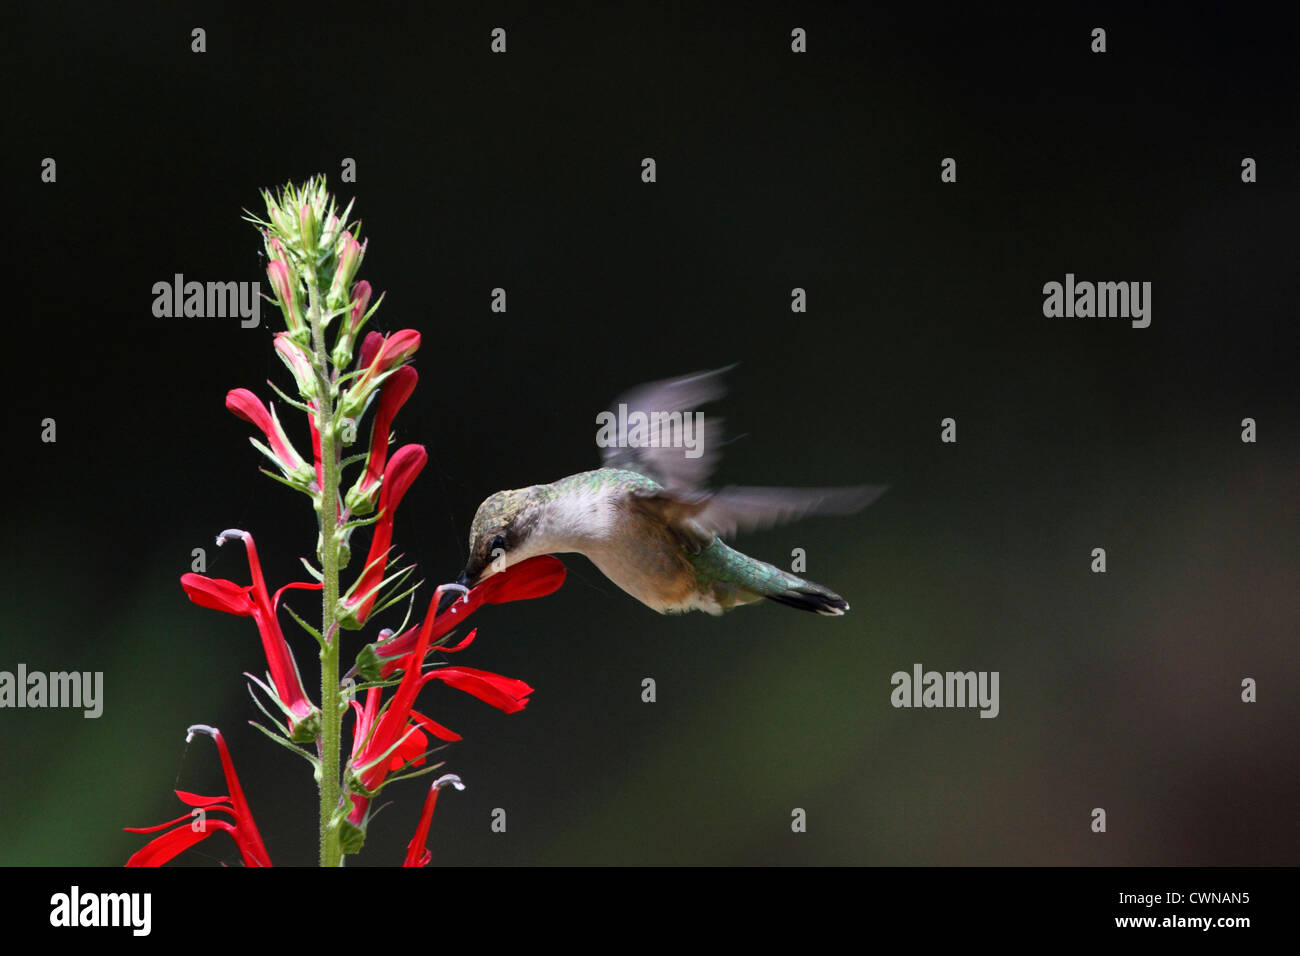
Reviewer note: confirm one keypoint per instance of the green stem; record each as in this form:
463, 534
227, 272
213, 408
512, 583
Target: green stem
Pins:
331, 736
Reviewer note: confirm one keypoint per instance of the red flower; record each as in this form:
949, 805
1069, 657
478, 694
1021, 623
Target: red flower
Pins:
376, 737
249, 407
417, 851
381, 354
392, 396
387, 741
400, 472
254, 601
243, 830
534, 578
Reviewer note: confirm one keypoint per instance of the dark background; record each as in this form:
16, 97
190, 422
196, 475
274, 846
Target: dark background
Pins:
775, 170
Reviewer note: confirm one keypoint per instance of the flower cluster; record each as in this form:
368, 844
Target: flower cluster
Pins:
314, 254
390, 739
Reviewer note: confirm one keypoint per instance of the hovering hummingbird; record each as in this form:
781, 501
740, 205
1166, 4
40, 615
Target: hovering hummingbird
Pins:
646, 521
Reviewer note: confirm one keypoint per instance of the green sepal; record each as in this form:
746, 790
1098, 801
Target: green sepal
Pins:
368, 663
358, 502
307, 729
351, 837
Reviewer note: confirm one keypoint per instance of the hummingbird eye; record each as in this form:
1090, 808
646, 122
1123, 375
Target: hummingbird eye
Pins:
497, 544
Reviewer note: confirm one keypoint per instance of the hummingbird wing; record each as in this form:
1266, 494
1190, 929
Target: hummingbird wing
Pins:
658, 453
696, 517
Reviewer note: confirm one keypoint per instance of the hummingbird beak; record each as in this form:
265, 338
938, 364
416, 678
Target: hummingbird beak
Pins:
451, 597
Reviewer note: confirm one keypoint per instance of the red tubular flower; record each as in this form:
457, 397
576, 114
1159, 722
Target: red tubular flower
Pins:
380, 354
243, 830
369, 347
534, 578
392, 396
412, 746
383, 743
249, 407
373, 743
417, 851
401, 471
254, 601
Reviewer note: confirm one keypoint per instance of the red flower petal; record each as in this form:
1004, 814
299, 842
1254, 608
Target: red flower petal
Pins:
195, 800
175, 842
534, 578
369, 347
392, 396
218, 594
410, 750
402, 470
465, 642
503, 693
435, 728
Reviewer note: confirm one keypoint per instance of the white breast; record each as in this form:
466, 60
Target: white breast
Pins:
597, 523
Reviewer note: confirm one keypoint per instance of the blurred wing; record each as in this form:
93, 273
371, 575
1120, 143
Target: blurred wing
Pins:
735, 509
660, 452
698, 516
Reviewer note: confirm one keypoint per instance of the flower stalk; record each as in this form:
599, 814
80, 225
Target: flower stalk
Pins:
314, 255
327, 516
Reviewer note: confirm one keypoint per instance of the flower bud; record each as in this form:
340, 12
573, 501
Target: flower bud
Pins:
288, 297
298, 361
249, 407
379, 356
307, 224
348, 331
350, 253
360, 498
331, 231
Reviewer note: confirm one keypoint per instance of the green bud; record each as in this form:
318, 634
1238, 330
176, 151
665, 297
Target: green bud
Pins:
306, 729
368, 663
307, 227
359, 502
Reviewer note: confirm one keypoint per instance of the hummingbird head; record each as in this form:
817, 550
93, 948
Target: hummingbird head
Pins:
500, 534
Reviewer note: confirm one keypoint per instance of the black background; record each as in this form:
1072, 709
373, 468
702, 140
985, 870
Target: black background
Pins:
775, 170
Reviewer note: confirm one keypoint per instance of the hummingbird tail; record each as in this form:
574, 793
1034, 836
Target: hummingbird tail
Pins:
739, 579
807, 596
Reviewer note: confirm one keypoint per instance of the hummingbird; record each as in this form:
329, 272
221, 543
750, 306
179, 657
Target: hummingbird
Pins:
646, 520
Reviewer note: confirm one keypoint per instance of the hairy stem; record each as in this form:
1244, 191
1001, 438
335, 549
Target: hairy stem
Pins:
331, 736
